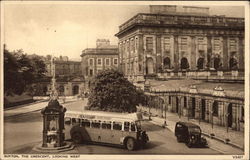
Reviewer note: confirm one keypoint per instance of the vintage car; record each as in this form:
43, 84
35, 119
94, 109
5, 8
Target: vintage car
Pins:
190, 134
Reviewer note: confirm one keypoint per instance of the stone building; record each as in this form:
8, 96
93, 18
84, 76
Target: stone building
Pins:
97, 59
69, 81
64, 66
215, 103
171, 39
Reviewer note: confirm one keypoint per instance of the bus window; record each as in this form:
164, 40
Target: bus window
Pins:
67, 120
106, 125
95, 124
117, 126
126, 126
132, 126
85, 123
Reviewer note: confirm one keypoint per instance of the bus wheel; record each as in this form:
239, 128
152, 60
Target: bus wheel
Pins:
130, 144
77, 137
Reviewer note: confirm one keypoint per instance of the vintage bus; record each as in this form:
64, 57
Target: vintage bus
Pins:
105, 127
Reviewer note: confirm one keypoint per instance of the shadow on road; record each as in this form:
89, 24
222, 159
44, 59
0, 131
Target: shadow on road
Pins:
22, 118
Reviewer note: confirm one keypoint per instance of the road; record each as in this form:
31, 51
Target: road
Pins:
24, 131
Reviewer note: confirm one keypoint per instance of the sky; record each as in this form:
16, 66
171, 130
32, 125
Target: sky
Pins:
67, 29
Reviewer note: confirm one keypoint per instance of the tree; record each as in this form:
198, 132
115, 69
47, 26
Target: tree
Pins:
21, 71
111, 91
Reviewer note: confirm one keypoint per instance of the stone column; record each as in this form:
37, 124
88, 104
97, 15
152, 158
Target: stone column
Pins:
198, 108
225, 113
225, 53
193, 54
158, 53
141, 60
234, 116
176, 53
241, 62
209, 50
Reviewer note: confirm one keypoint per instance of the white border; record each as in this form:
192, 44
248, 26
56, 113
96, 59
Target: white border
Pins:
197, 3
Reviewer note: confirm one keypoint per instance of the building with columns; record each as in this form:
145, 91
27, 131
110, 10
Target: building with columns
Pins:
214, 103
171, 40
95, 60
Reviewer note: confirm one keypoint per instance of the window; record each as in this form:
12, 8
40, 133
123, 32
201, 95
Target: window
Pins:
85, 123
132, 126
67, 120
232, 44
201, 43
166, 43
99, 61
91, 62
185, 102
117, 126
107, 61
91, 72
149, 43
115, 61
183, 43
95, 124
217, 44
169, 100
106, 125
126, 126
75, 121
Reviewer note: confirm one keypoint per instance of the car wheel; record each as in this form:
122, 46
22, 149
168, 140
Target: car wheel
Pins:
188, 143
77, 137
130, 144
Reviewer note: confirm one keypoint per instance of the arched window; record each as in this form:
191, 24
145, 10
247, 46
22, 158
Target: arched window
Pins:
200, 63
184, 63
216, 63
166, 63
233, 63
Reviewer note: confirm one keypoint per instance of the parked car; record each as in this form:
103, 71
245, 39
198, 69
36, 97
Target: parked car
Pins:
190, 134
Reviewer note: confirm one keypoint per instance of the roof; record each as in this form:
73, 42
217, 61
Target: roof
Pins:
230, 89
100, 51
188, 124
180, 20
101, 115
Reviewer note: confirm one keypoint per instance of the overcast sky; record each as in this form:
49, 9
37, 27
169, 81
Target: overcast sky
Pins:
67, 29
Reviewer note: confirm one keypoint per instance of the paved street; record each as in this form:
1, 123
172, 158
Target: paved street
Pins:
24, 131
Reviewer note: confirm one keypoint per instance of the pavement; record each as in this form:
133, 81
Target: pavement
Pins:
215, 143
32, 107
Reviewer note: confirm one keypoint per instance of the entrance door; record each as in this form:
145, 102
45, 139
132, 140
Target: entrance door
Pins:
75, 90
150, 66
200, 63
166, 63
230, 115
203, 109
216, 63
184, 63
193, 108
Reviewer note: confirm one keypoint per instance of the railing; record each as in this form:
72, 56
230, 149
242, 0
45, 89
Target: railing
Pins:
181, 19
204, 75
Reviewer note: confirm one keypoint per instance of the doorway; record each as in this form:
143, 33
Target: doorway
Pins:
150, 66
230, 115
193, 108
203, 109
75, 90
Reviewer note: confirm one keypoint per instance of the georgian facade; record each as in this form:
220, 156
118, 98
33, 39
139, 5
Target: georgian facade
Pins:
95, 60
152, 42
